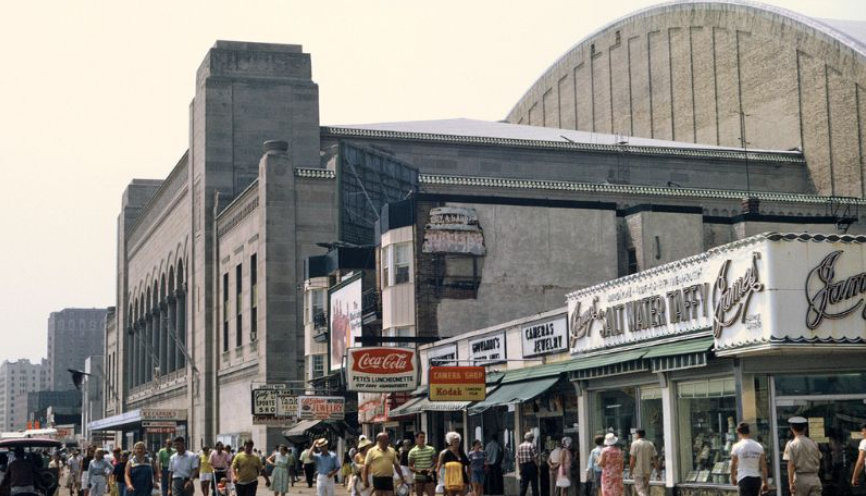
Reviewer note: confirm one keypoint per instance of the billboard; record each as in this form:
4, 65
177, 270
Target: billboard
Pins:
321, 408
381, 369
345, 318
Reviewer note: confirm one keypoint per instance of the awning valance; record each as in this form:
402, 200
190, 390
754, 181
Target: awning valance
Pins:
117, 422
425, 405
536, 372
405, 408
516, 392
615, 363
680, 355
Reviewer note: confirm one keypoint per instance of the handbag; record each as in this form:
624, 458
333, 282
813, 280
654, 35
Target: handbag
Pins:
454, 476
562, 479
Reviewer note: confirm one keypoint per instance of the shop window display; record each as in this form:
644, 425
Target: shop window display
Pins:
707, 418
652, 421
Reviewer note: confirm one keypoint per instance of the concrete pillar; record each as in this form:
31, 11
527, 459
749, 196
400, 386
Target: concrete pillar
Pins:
139, 351
180, 323
147, 373
156, 343
171, 350
164, 338
130, 367
669, 416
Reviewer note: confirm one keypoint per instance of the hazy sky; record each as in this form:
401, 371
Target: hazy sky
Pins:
95, 93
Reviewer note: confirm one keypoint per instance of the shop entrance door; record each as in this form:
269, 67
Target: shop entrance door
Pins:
834, 423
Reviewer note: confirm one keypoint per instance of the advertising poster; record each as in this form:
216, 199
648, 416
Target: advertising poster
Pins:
345, 319
381, 369
321, 408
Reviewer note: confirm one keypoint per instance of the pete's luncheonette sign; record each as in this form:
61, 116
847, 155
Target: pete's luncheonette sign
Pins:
381, 369
761, 292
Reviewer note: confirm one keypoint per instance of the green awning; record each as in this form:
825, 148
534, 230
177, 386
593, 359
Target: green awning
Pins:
680, 355
536, 372
405, 408
515, 392
613, 363
425, 405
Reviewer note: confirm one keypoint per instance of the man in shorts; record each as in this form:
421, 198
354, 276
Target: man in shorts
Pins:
381, 464
421, 460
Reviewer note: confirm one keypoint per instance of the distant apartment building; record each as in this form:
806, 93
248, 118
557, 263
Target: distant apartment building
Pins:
16, 380
74, 334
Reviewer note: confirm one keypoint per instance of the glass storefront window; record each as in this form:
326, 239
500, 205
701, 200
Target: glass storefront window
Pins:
707, 412
652, 421
614, 410
805, 385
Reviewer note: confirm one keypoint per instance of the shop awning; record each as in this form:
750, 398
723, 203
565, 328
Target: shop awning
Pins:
405, 408
300, 429
516, 392
614, 363
536, 372
680, 355
119, 422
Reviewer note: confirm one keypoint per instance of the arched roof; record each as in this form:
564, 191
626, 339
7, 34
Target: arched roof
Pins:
851, 34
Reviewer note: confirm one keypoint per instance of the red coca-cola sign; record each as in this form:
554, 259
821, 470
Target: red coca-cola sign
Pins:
382, 369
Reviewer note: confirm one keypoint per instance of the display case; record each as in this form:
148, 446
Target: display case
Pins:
707, 414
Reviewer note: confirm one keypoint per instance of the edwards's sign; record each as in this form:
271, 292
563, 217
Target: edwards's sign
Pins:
382, 370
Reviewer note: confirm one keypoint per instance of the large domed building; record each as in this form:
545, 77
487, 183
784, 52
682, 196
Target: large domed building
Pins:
712, 72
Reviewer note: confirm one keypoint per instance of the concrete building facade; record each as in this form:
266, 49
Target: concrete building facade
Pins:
731, 72
16, 380
73, 335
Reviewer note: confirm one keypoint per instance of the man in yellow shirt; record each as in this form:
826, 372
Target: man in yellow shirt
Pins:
381, 462
246, 467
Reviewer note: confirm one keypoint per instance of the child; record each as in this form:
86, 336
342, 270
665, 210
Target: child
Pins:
223, 487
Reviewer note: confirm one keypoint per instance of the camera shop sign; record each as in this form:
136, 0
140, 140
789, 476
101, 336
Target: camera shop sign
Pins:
547, 336
715, 290
381, 370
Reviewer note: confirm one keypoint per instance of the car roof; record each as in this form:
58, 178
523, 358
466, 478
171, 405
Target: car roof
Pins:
30, 442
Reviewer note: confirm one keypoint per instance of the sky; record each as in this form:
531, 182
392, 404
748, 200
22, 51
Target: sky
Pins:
95, 93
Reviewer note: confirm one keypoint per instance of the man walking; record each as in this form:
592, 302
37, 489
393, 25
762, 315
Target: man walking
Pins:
421, 460
327, 467
527, 463
748, 464
381, 462
309, 464
162, 459
861, 457
246, 467
219, 462
804, 460
643, 458
494, 481
182, 469
73, 480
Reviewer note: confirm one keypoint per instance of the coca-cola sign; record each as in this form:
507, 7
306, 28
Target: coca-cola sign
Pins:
382, 369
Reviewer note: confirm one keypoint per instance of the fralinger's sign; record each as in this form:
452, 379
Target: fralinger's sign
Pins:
761, 292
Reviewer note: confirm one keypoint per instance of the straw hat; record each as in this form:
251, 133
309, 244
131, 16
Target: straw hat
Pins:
610, 439
363, 443
321, 443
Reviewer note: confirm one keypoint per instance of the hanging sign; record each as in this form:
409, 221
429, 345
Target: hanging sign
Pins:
488, 349
458, 384
264, 402
381, 369
321, 408
543, 337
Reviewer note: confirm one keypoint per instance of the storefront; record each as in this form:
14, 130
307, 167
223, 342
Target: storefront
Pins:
761, 330
152, 426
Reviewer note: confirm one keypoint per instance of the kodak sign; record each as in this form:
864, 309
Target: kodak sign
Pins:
457, 384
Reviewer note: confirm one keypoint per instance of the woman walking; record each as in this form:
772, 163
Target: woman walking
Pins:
612, 464
280, 475
357, 486
455, 463
97, 474
478, 464
139, 472
205, 470
563, 475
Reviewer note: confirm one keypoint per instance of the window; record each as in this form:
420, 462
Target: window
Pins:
707, 418
632, 261
402, 260
254, 297
316, 314
652, 421
399, 332
239, 305
226, 312
318, 366
386, 266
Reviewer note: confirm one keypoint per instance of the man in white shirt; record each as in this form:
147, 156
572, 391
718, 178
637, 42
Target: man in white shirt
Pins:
182, 469
861, 457
748, 464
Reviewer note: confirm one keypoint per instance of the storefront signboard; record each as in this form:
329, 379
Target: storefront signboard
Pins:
372, 407
544, 337
162, 414
443, 355
274, 403
272, 421
488, 349
381, 369
457, 384
763, 292
321, 408
453, 230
